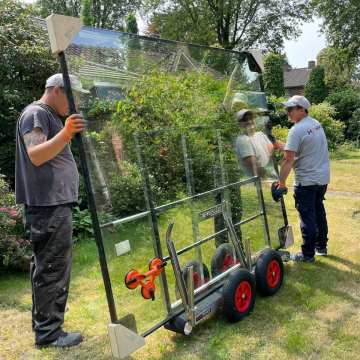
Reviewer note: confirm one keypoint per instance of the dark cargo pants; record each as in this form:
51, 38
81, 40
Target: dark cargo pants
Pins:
50, 229
313, 223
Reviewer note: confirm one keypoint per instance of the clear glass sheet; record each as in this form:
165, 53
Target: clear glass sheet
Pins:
144, 177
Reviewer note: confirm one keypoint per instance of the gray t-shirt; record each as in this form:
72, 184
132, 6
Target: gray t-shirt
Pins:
54, 182
312, 163
256, 146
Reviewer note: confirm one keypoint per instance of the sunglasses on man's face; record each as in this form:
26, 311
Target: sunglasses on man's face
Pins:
290, 109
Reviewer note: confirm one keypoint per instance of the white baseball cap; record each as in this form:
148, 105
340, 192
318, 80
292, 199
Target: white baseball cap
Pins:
297, 100
57, 80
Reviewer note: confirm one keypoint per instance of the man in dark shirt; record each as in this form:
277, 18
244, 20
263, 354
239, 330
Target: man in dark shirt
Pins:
46, 182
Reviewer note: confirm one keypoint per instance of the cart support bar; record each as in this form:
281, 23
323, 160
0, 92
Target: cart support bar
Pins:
177, 270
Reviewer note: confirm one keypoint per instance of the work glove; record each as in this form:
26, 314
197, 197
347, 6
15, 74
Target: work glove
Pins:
73, 124
272, 138
268, 127
278, 190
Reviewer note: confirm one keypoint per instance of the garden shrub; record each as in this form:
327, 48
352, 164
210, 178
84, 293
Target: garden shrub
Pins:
15, 248
171, 101
281, 134
26, 61
353, 129
345, 103
277, 111
82, 225
273, 75
343, 151
315, 89
324, 113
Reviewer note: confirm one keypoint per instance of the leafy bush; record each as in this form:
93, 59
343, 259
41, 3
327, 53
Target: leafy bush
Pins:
170, 101
277, 111
82, 225
345, 103
353, 129
273, 75
334, 129
26, 62
343, 151
15, 249
281, 133
315, 89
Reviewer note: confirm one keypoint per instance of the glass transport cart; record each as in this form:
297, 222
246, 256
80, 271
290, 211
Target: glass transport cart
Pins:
184, 221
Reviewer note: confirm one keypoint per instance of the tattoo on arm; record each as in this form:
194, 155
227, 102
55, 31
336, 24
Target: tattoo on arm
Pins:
33, 138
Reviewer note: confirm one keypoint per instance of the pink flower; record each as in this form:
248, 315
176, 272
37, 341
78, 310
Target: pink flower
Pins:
21, 240
3, 209
15, 214
17, 244
12, 211
136, 100
9, 207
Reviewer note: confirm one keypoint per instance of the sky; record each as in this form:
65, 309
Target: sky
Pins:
307, 46
299, 51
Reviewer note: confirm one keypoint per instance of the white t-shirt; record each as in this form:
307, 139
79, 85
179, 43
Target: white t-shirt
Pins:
312, 163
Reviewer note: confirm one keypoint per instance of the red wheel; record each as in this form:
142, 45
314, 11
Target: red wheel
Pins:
243, 296
222, 260
196, 275
273, 274
269, 272
130, 276
238, 295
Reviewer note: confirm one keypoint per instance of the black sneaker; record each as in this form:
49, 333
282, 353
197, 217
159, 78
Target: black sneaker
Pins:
321, 252
64, 340
300, 257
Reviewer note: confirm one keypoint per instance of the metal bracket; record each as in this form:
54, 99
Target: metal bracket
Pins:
177, 270
239, 251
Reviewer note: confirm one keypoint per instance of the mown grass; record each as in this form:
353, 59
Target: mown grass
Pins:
315, 315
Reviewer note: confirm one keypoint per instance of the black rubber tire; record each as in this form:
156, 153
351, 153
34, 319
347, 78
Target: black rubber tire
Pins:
230, 295
194, 264
218, 258
267, 283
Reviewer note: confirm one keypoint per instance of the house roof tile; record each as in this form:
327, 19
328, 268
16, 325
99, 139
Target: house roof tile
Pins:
296, 77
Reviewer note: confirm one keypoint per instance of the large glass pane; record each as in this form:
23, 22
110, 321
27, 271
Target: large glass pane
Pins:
165, 144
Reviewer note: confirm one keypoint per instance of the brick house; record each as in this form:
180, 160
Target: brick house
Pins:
296, 79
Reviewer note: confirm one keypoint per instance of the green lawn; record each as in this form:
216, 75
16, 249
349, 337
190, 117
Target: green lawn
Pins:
315, 315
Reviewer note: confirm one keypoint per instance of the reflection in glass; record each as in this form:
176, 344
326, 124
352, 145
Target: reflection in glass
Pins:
164, 145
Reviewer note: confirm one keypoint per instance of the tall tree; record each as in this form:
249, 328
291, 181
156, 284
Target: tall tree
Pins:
107, 14
131, 24
340, 68
86, 14
341, 24
26, 62
273, 75
232, 23
315, 89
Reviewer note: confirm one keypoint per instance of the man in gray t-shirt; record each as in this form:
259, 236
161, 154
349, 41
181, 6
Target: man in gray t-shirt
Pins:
306, 152
46, 182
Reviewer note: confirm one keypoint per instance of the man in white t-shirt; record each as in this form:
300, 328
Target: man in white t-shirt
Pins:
307, 153
252, 148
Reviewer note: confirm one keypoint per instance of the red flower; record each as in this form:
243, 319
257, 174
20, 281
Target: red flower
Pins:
163, 151
136, 100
